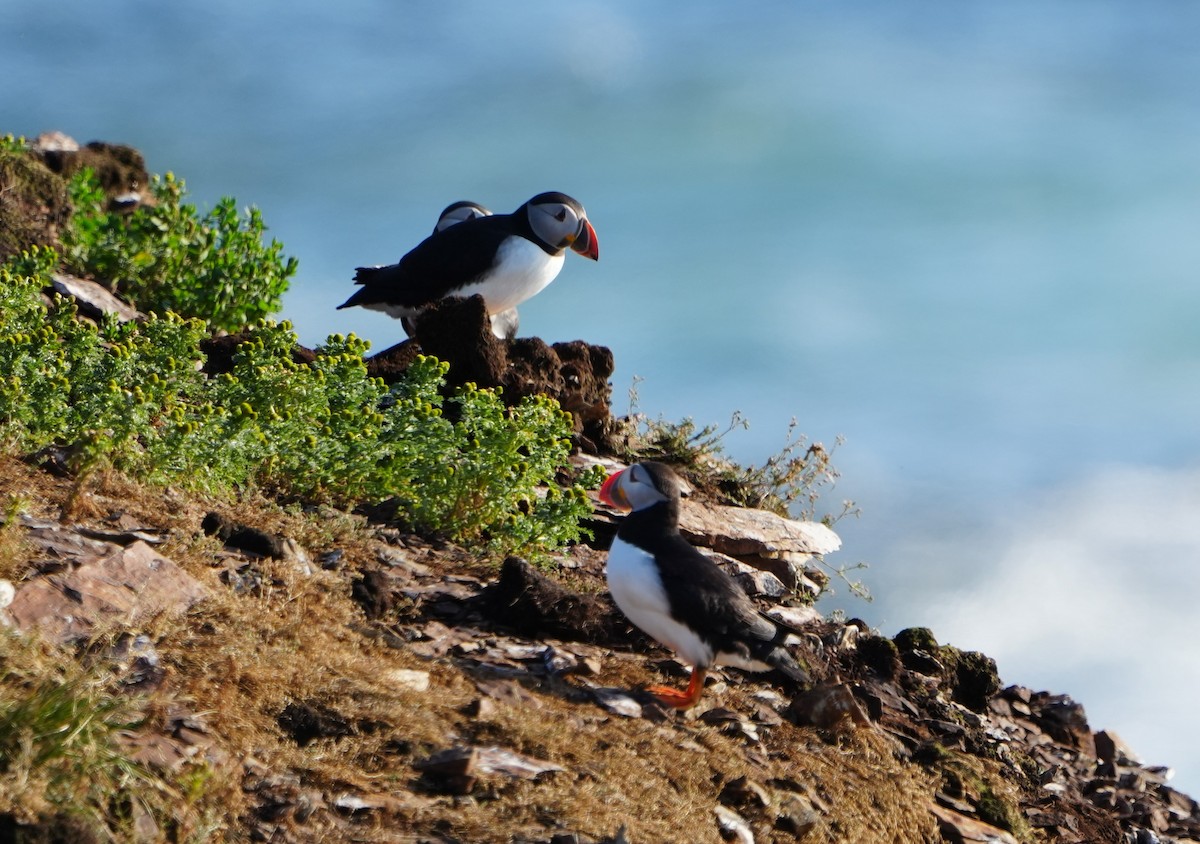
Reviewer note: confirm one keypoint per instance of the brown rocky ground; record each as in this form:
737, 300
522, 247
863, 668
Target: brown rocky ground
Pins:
343, 681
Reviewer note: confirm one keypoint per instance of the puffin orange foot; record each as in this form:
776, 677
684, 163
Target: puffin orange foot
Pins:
681, 700
672, 697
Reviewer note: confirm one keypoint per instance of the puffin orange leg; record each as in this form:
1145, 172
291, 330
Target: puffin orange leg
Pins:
685, 699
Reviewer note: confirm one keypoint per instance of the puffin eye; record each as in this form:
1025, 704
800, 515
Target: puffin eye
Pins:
561, 215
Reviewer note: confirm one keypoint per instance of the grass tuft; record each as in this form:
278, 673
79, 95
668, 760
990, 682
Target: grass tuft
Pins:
61, 750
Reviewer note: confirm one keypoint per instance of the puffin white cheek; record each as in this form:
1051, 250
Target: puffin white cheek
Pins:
555, 224
642, 495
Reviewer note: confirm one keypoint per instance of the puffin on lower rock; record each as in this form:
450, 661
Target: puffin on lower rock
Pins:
506, 258
679, 596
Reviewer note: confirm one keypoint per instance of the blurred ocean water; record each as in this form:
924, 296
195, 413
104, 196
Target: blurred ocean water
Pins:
965, 237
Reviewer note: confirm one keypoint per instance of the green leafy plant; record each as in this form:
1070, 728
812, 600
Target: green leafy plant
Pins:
166, 256
132, 397
10, 143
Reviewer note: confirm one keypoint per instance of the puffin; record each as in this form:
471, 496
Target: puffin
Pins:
505, 323
457, 212
679, 596
506, 258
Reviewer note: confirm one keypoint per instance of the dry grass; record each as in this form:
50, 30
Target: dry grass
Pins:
238, 659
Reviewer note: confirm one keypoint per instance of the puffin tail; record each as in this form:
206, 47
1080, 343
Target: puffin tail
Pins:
363, 275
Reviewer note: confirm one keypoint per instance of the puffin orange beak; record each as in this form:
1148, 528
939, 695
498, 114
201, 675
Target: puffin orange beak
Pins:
586, 243
612, 494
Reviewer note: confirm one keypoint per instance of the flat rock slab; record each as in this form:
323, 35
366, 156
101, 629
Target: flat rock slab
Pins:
124, 588
957, 828
741, 532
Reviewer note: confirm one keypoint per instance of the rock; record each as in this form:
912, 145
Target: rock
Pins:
746, 794
796, 815
54, 142
760, 584
558, 662
574, 373
458, 332
93, 300
62, 542
732, 826
362, 803
1063, 720
794, 618
458, 768
760, 539
251, 540
731, 723
1111, 748
139, 666
155, 750
220, 351
617, 701
880, 655
406, 678
747, 532
530, 602
923, 662
975, 679
331, 560
373, 592
278, 796
827, 706
957, 828
120, 169
508, 691
128, 587
306, 721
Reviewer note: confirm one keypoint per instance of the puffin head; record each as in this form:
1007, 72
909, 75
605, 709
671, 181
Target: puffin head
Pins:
458, 212
560, 221
640, 486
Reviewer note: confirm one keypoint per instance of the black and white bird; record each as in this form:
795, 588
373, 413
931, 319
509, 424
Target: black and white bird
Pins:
679, 596
505, 323
457, 212
506, 258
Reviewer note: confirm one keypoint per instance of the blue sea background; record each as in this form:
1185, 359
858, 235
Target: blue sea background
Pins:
964, 236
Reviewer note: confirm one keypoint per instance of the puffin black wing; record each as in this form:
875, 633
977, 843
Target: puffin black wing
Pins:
436, 267
717, 608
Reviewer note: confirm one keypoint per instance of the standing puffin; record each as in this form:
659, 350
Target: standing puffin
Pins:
505, 323
457, 212
679, 596
506, 258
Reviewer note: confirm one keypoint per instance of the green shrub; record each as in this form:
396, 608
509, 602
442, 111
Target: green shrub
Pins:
166, 257
11, 143
131, 396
